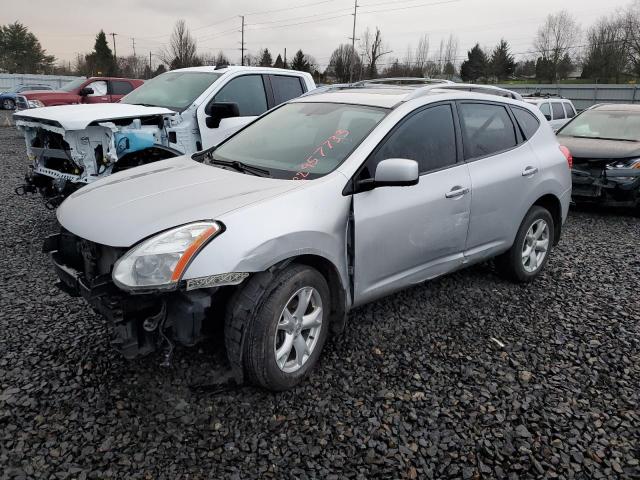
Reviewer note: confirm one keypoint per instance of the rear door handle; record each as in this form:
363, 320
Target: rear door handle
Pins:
529, 171
456, 192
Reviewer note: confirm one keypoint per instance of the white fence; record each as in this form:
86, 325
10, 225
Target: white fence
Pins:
10, 80
584, 95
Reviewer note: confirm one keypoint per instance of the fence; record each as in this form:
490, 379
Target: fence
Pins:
10, 80
584, 95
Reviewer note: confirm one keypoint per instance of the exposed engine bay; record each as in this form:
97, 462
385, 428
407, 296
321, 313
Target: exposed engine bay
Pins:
606, 181
65, 160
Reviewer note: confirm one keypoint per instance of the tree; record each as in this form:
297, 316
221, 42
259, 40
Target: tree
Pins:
265, 60
374, 48
21, 51
475, 66
525, 69
607, 54
182, 49
160, 69
279, 63
503, 65
421, 57
553, 41
300, 62
341, 61
101, 61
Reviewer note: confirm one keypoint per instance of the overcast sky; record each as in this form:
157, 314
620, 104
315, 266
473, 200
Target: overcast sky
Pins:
67, 27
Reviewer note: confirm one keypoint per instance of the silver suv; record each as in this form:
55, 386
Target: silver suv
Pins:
320, 205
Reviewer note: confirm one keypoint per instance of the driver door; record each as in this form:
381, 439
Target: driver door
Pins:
405, 235
248, 91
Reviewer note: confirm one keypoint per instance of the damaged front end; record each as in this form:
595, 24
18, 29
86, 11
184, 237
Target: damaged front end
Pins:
141, 322
64, 160
606, 182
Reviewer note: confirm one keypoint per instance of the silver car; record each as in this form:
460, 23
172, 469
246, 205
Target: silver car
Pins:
320, 205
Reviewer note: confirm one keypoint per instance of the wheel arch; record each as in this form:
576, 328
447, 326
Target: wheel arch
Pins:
552, 204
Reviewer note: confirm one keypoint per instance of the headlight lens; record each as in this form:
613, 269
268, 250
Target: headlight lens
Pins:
160, 261
35, 104
629, 163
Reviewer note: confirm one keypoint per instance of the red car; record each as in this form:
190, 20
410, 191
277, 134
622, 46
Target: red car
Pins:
81, 90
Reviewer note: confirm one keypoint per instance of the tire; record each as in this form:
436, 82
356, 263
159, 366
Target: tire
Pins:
8, 104
512, 264
257, 328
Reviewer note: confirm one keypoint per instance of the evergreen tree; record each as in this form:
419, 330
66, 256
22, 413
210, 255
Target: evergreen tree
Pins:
265, 59
503, 65
475, 67
21, 52
300, 62
101, 60
279, 63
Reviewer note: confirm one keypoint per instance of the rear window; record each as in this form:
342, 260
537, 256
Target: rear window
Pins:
558, 111
528, 121
120, 87
486, 129
285, 88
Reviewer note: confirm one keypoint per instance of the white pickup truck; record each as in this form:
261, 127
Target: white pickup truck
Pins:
177, 113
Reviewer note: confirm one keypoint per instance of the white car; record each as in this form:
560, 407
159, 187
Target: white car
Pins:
558, 111
177, 113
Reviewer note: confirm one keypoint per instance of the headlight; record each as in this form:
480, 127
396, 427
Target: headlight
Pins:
628, 163
160, 261
35, 104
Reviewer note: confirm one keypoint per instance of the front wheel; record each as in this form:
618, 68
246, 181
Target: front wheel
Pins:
8, 104
530, 251
277, 329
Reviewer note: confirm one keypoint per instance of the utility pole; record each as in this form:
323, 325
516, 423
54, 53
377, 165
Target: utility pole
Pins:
353, 40
150, 67
284, 63
113, 35
242, 43
133, 45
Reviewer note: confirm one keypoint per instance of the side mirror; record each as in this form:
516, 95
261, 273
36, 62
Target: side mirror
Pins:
393, 172
548, 117
86, 91
216, 111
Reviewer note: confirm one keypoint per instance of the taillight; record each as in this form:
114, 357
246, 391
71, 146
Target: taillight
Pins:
567, 154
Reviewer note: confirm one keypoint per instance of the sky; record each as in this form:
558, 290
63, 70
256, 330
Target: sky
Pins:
68, 27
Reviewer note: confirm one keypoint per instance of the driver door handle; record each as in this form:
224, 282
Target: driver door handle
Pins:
456, 192
529, 171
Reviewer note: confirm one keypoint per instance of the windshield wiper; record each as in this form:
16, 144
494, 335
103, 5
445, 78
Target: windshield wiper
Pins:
241, 167
605, 138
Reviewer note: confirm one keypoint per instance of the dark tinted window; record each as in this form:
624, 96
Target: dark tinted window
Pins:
569, 109
285, 88
120, 87
486, 129
558, 111
528, 122
248, 92
427, 137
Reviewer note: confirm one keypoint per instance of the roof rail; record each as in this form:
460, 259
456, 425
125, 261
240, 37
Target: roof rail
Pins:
470, 87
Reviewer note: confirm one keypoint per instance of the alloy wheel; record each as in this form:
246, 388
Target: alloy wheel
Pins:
536, 246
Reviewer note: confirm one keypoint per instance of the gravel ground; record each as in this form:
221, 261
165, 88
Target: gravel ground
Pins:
466, 377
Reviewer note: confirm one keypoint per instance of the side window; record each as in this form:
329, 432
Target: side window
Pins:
545, 109
486, 129
528, 121
569, 109
427, 137
248, 92
120, 87
285, 88
99, 88
558, 111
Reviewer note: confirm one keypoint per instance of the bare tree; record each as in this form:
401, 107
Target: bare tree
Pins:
554, 39
422, 54
373, 48
341, 61
450, 55
631, 18
182, 49
607, 54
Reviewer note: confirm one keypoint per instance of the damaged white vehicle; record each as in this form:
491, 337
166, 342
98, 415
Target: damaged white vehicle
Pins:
179, 112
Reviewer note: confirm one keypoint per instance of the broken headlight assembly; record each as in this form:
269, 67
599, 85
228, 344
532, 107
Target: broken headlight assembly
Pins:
633, 163
35, 104
160, 261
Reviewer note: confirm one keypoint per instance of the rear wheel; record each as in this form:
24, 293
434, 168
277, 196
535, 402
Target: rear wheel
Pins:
530, 251
8, 104
277, 329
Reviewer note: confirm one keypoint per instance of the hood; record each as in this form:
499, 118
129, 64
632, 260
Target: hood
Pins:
589, 148
129, 206
78, 117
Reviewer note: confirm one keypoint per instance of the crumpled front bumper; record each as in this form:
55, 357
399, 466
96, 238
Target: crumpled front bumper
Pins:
614, 187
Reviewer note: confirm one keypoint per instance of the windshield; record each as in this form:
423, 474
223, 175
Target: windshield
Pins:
173, 90
302, 141
616, 125
73, 84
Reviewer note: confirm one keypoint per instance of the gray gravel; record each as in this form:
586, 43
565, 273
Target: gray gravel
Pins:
466, 377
